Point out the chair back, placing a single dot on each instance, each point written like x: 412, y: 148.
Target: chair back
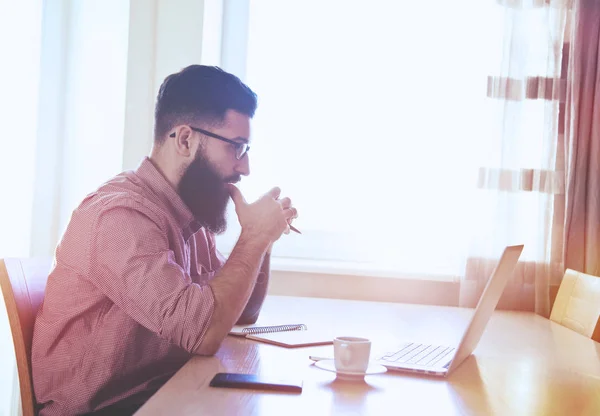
x: 577, y: 304
x: 23, y: 283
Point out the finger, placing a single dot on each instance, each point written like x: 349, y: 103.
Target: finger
x: 274, y: 193
x: 236, y: 195
x: 285, y: 202
x: 290, y: 213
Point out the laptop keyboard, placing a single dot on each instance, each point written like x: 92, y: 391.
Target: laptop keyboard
x: 418, y: 354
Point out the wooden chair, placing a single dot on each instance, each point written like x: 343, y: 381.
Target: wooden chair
x: 23, y: 283
x: 577, y: 304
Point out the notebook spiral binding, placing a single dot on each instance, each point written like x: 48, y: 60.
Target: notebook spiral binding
x: 278, y: 328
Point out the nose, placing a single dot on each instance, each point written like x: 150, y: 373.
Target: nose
x: 243, y: 166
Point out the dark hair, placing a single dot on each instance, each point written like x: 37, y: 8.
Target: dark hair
x: 200, y: 93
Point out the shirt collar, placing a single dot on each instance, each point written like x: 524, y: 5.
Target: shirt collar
x: 168, y: 196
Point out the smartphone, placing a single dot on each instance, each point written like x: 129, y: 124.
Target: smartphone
x: 253, y: 381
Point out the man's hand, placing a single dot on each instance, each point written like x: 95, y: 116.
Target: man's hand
x: 235, y: 287
x: 267, y: 218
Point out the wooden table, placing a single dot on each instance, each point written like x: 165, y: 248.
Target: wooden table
x: 523, y: 365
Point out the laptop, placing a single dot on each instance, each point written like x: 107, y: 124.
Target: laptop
x: 441, y: 360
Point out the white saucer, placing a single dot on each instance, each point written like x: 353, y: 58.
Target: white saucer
x: 329, y: 365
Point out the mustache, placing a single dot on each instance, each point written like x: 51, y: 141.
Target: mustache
x: 233, y: 179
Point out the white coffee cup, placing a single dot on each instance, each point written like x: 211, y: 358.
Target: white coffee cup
x: 351, y: 354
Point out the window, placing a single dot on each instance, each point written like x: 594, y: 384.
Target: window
x: 373, y: 117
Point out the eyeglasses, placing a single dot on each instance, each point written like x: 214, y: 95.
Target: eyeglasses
x: 241, y: 148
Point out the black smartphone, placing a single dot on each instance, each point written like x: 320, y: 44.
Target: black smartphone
x: 253, y: 381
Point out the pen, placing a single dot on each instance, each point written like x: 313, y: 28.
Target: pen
x: 294, y: 229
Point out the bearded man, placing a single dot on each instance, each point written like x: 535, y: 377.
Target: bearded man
x: 138, y: 286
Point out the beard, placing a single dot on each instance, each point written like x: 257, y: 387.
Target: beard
x: 205, y: 193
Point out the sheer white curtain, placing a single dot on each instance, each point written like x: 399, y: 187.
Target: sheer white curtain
x: 521, y: 180
x: 372, y: 116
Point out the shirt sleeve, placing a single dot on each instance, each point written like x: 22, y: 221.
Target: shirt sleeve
x: 131, y: 263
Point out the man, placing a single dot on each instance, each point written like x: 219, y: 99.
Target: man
x: 138, y: 286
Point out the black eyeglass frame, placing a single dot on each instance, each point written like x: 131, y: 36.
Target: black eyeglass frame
x: 240, y: 148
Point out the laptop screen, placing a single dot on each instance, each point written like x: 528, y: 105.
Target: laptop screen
x: 487, y: 303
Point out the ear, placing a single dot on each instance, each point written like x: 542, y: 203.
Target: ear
x: 182, y: 141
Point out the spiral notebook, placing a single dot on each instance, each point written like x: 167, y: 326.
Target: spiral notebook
x: 289, y: 336
x: 243, y: 330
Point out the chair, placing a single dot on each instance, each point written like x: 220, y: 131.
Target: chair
x: 23, y: 283
x: 577, y: 304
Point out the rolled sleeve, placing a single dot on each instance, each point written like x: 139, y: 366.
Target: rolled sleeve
x: 131, y: 263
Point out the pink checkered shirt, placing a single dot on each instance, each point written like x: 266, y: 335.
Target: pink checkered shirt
x: 127, y: 303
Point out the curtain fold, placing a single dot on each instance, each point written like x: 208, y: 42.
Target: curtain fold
x: 582, y: 143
